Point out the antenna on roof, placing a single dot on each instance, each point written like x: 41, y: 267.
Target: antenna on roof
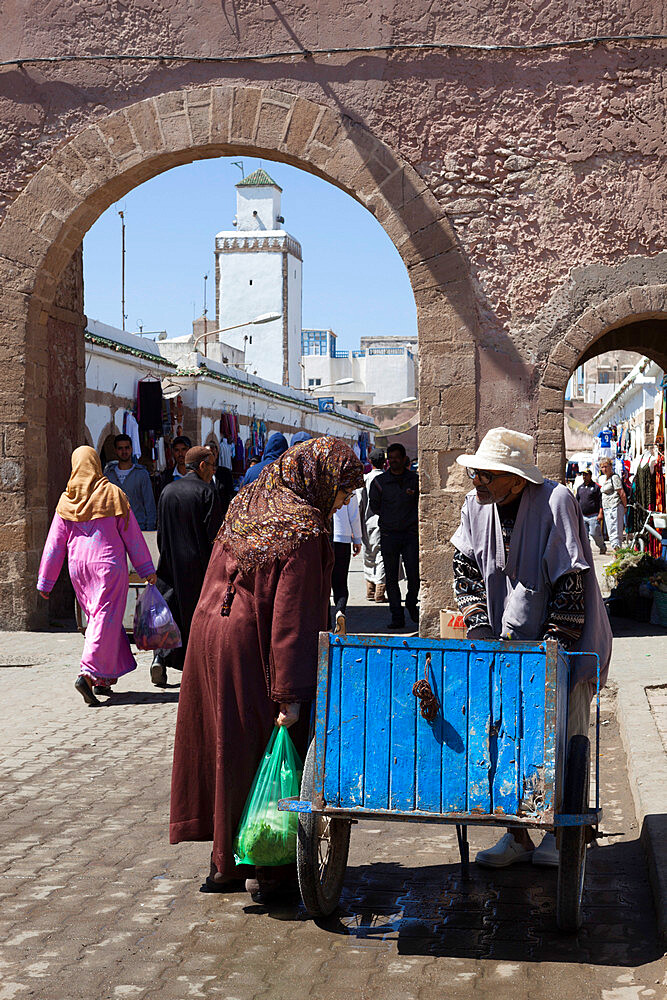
x: 239, y: 164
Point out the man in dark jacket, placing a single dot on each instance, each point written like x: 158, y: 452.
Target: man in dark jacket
x: 589, y: 496
x: 223, y: 481
x: 394, y: 497
x: 188, y: 518
x: 179, y: 448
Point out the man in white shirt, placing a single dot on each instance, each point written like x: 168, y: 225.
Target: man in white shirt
x: 370, y: 533
x: 346, y: 539
x: 614, y: 503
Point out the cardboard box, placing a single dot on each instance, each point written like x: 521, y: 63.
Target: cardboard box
x: 451, y: 625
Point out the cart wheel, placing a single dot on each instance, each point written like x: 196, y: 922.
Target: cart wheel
x: 321, y: 851
x: 572, y: 866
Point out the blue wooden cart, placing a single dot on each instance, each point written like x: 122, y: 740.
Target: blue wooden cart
x: 495, y: 753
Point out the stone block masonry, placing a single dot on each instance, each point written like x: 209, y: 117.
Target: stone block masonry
x: 524, y: 189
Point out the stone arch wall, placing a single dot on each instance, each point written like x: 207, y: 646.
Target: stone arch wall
x: 111, y: 428
x: 635, y: 306
x: 46, y: 223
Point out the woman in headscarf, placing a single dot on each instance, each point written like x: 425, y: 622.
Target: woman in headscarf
x: 252, y: 657
x: 94, y: 525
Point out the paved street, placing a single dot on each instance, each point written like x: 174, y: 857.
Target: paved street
x: 96, y: 904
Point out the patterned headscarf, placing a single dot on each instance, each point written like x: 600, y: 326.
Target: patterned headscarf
x: 89, y: 494
x: 290, y: 501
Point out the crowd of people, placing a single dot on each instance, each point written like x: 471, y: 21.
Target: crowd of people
x: 248, y: 581
x: 603, y: 504
x: 193, y: 499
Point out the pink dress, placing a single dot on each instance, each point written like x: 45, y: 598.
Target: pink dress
x: 97, y: 557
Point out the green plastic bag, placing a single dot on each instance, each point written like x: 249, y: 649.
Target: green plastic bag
x: 265, y: 836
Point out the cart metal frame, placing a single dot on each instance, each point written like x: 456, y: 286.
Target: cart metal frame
x: 351, y: 709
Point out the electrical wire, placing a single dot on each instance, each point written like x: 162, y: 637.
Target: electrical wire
x: 346, y: 50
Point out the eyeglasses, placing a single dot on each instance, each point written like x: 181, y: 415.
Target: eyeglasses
x: 484, y: 477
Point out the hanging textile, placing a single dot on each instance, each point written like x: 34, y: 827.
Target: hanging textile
x: 131, y: 428
x: 149, y: 405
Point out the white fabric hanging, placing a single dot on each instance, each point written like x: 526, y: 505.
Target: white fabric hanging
x: 161, y: 461
x: 132, y: 431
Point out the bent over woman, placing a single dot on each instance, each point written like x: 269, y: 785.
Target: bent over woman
x: 95, y: 526
x: 252, y: 656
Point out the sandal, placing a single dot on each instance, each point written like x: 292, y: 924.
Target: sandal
x: 232, y: 883
x: 280, y: 884
x: 81, y: 684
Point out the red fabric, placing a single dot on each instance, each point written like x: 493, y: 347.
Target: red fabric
x: 236, y: 670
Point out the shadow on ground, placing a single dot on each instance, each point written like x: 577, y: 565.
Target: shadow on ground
x: 631, y: 627
x: 161, y: 697
x: 373, y: 619
x: 505, y: 915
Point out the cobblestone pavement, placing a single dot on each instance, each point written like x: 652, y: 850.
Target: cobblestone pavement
x: 95, y: 904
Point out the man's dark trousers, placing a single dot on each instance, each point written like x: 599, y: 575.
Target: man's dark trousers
x: 394, y: 545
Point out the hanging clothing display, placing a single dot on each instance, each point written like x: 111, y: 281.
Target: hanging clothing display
x: 161, y: 460
x: 131, y: 428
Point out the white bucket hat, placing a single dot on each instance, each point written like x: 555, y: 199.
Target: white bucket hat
x: 503, y: 450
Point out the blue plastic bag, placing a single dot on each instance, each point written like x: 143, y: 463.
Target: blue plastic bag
x: 154, y: 626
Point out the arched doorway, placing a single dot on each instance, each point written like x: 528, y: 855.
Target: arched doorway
x: 635, y: 320
x: 44, y: 228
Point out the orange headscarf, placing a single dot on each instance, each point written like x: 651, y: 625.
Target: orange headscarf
x: 89, y: 493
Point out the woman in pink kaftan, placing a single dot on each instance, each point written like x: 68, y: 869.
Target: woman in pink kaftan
x: 96, y: 528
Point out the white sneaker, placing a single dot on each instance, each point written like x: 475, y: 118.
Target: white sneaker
x: 547, y: 852
x: 506, y: 852
x: 340, y: 624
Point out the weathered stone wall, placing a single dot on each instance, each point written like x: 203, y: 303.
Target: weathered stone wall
x: 65, y: 406
x: 523, y: 189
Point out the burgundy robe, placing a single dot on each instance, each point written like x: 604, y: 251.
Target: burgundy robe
x: 237, y: 670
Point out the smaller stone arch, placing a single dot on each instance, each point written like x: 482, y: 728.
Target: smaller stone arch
x: 633, y: 319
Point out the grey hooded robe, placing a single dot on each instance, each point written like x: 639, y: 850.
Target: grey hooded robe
x: 549, y: 539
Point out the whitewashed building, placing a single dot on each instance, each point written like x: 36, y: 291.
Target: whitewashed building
x: 636, y: 404
x: 597, y: 379
x: 258, y: 270
x: 381, y: 372
x: 116, y: 360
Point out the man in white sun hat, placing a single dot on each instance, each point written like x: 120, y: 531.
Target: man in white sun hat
x: 523, y: 570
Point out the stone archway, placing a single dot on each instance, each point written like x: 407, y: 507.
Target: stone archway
x: 105, y: 439
x: 633, y: 320
x: 45, y: 225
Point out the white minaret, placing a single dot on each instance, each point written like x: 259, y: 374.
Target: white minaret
x: 258, y: 271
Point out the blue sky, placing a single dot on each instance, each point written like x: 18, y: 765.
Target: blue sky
x: 353, y: 279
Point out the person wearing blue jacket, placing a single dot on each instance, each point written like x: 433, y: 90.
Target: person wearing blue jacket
x: 299, y: 437
x: 134, y: 481
x: 275, y: 447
